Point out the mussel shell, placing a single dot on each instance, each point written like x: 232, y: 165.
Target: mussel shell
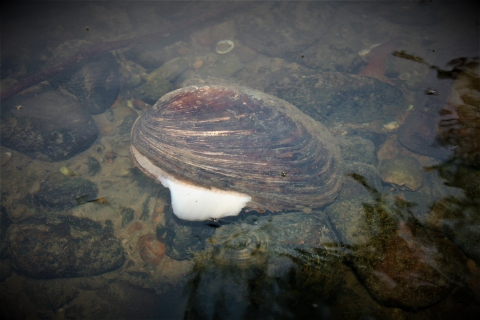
x: 240, y: 139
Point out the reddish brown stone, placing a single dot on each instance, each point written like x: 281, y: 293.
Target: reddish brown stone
x: 151, y: 250
x: 376, y: 61
x: 137, y: 225
x: 415, y: 270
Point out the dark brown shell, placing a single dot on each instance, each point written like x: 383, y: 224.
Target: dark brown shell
x: 236, y: 138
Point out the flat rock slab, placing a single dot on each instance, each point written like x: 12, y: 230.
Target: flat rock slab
x: 333, y: 96
x: 58, y: 192
x: 94, y: 82
x: 63, y: 247
x: 405, y: 173
x: 410, y: 273
x: 47, y: 126
x: 285, y: 29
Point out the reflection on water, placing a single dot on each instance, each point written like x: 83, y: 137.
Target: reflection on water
x: 253, y: 270
x: 85, y: 234
x: 403, y: 262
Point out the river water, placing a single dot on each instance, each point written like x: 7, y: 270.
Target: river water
x: 85, y: 234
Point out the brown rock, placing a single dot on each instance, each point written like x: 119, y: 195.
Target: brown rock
x: 404, y: 172
x: 137, y: 225
x: 389, y: 149
x: 402, y: 263
x: 62, y: 247
x: 197, y: 64
x: 151, y: 250
x: 47, y: 126
x: 414, y: 271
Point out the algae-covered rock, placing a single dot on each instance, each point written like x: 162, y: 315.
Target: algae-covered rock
x: 330, y: 96
x: 410, y: 269
x: 357, y: 149
x: 297, y: 27
x: 63, y: 247
x: 458, y: 216
x: 247, y: 260
x: 403, y: 264
x: 226, y: 66
x: 348, y: 216
x: 184, y: 237
x: 95, y: 82
x: 47, y: 126
x: 159, y: 82
x: 58, y: 192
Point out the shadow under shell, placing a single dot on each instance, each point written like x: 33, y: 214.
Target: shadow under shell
x: 241, y: 140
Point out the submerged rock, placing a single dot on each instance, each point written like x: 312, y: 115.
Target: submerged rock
x: 95, y: 83
x: 159, y: 82
x: 151, y: 249
x: 411, y: 14
x: 47, y: 126
x: 184, y: 237
x: 357, y: 149
x: 297, y: 27
x: 347, y: 216
x: 458, y: 216
x: 404, y: 172
x: 63, y: 247
x: 333, y: 96
x: 413, y: 271
x: 4, y: 225
x: 249, y: 260
x: 62, y: 193
x: 401, y: 262
x: 93, y: 166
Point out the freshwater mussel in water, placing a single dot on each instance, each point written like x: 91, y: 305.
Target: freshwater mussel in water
x: 222, y: 148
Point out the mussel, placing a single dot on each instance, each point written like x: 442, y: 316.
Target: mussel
x: 222, y: 148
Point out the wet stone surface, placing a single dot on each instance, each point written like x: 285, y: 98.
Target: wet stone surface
x: 62, y: 193
x: 93, y: 166
x: 184, y: 237
x: 127, y: 123
x: 459, y: 217
x: 47, y: 126
x: 5, y: 224
x: 311, y: 21
x: 404, y: 172
x: 328, y: 56
x: 151, y: 249
x: 423, y: 268
x: 351, y: 189
x: 331, y: 96
x: 347, y: 215
x: 96, y: 84
x: 357, y: 149
x: 401, y: 262
x: 267, y: 251
x: 63, y: 247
